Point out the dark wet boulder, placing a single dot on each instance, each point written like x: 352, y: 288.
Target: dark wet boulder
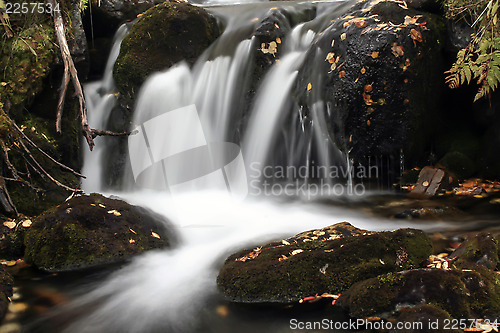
x: 481, y: 249
x: 93, y: 230
x: 6, y: 283
x: 163, y: 36
x: 462, y: 294
x: 429, y: 318
x: 320, y: 261
x: 376, y: 76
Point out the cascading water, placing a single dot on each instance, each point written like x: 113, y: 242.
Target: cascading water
x: 170, y: 290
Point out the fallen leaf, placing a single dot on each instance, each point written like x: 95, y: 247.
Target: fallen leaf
x: 341, y: 74
x: 11, y: 263
x: 26, y: 223
x: 284, y: 242
x: 361, y: 24
x: 309, y: 86
x: 343, y: 36
x: 416, y: 35
x: 114, y: 212
x: 368, y: 99
x: 132, y: 231
x: 368, y: 88
x: 363, y: 70
x: 155, y: 235
x: 131, y: 241
x: 397, y: 50
x: 3, y: 84
x: 333, y: 42
x: 330, y: 57
x: 295, y: 252
x: 426, y: 183
x: 370, y: 110
x: 374, y: 55
x: 278, y: 40
x: 10, y: 224
x: 368, y: 122
x: 276, y: 25
x: 102, y: 206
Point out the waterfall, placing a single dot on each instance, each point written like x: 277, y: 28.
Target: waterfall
x: 189, y: 123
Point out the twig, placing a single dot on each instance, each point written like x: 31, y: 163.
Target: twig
x: 97, y: 132
x: 55, y: 181
x: 20, y: 180
x: 42, y: 151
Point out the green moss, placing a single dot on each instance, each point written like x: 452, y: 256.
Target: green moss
x: 481, y: 248
x: 324, y: 266
x: 86, y: 232
x: 459, y: 164
x: 164, y: 35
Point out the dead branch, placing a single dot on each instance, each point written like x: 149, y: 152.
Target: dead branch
x: 70, y: 66
x: 42, y: 151
x: 96, y: 133
x: 55, y: 181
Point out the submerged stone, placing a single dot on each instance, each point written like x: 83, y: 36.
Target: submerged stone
x: 93, y: 230
x: 320, y: 261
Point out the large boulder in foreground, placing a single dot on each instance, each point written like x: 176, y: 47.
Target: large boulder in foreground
x: 163, y: 36
x: 327, y: 260
x: 93, y: 230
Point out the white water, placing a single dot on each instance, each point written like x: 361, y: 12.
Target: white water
x: 164, y: 291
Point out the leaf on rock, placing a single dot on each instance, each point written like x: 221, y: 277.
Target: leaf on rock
x: 330, y: 57
x: 131, y: 241
x: 363, y: 70
x: 416, y: 35
x: 114, y: 212
x: 27, y: 223
x: 374, y: 55
x: 341, y: 74
x: 132, y: 231
x: 278, y: 40
x: 309, y: 86
x: 155, y: 235
x: 368, y: 99
x: 368, y: 88
x: 295, y: 252
x: 10, y: 224
x: 397, y: 50
x: 343, y: 36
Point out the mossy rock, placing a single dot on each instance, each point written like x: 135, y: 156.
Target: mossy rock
x: 431, y: 318
x: 318, y: 262
x: 458, y: 163
x: 462, y: 294
x: 481, y: 249
x: 12, y: 239
x: 6, y: 283
x: 93, y: 230
x: 163, y: 36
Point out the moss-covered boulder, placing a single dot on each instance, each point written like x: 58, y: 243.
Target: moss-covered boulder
x: 327, y: 260
x: 6, y: 283
x: 431, y: 318
x: 163, y: 36
x: 93, y: 230
x: 462, y: 294
x: 481, y: 249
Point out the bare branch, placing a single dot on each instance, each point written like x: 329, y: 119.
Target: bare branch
x: 97, y: 132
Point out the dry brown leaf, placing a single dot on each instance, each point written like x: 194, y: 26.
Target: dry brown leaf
x: 374, y: 55
x: 368, y: 122
x: 363, y: 70
x: 361, y: 24
x: 368, y: 99
x: 341, y: 74
x: 416, y: 35
x: 330, y: 57
x: 368, y: 88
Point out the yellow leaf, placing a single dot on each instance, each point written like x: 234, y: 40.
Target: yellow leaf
x: 330, y: 57
x: 363, y: 70
x: 309, y: 86
x: 278, y: 40
x: 132, y: 231
x: 26, y: 223
x: 131, y: 241
x: 114, y: 212
x: 343, y: 36
x: 102, y: 206
x: 10, y: 224
x: 155, y: 235
x: 374, y: 55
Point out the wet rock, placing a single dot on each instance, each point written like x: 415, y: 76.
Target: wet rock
x: 114, y: 12
x: 93, y: 230
x: 458, y: 163
x: 456, y: 292
x: 430, y: 317
x: 327, y: 260
x: 431, y: 181
x: 12, y: 234
x: 481, y: 249
x: 6, y: 283
x: 163, y: 36
x: 429, y: 213
x: 376, y: 75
